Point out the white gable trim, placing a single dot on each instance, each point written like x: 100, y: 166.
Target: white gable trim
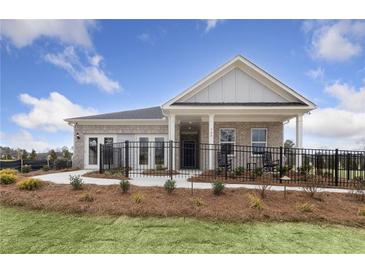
x: 245, y: 65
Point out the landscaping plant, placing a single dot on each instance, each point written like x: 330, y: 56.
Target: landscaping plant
x: 361, y: 211
x: 255, y: 201
x: 197, y: 202
x: 310, y: 188
x: 62, y: 163
x: 124, y: 185
x: 26, y: 168
x: 9, y: 171
x: 138, y: 198
x: 262, y: 190
x: 7, y: 179
x: 76, y: 182
x: 238, y: 171
x: 170, y: 186
x: 305, y: 207
x: 218, y: 187
x: 86, y: 197
x: 45, y: 168
x: 358, y: 188
x: 29, y: 184
x: 258, y: 172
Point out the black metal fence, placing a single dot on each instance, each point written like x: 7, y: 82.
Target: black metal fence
x: 234, y: 163
x: 35, y: 164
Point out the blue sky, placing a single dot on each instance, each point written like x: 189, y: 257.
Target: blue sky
x: 51, y: 70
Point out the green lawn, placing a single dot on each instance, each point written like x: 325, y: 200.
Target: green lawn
x: 24, y: 231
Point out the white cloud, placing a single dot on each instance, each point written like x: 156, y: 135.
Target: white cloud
x: 315, y: 74
x: 49, y: 113
x: 350, y: 98
x: 24, y: 32
x: 24, y: 140
x: 146, y: 38
x: 89, y: 73
x: 335, y: 40
x: 211, y: 24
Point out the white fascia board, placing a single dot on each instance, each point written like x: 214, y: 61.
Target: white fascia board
x: 117, y: 121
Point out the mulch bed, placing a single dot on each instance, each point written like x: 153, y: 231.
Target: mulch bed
x: 233, y: 205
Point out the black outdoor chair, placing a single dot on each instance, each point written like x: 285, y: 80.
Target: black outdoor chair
x: 269, y: 165
x: 222, y: 157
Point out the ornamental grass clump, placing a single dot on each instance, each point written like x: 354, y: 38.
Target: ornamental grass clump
x: 9, y: 171
x: 138, y: 198
x: 218, y: 188
x: 76, y: 182
x: 170, y: 186
x: 124, y: 185
x: 29, y: 184
x: 7, y: 179
x: 255, y: 202
x: 86, y: 197
x: 305, y: 207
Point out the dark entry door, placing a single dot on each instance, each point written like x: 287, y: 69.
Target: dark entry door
x: 189, y: 155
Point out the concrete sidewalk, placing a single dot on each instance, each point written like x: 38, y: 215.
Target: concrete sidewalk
x: 181, y: 182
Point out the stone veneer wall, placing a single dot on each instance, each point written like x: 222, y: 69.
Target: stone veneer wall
x: 78, y: 158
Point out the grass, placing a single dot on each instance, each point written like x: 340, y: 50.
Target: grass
x: 24, y: 231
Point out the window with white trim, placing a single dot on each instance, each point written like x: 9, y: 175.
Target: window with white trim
x: 227, y: 140
x: 258, y: 140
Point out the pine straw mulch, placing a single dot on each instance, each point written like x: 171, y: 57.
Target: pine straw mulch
x: 233, y: 205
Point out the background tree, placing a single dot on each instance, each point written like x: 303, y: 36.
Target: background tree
x: 33, y: 155
x: 66, y: 153
x: 24, y: 154
x: 53, y: 155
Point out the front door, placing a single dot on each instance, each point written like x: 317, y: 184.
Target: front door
x: 189, y: 155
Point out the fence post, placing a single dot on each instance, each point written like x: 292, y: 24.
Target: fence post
x: 225, y: 163
x: 101, y: 154
x: 170, y: 157
x: 348, y: 166
x: 126, y: 158
x: 281, y: 163
x: 336, y: 167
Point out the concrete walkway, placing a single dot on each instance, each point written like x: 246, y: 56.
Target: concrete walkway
x: 181, y: 182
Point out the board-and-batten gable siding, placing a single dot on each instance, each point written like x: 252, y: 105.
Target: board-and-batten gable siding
x: 238, y: 87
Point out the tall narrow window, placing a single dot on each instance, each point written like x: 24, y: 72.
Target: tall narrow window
x: 159, y: 151
x: 227, y: 139
x: 258, y: 140
x: 93, y: 151
x: 108, y: 150
x: 143, y: 151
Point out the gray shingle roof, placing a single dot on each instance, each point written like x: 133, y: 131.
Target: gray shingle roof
x: 143, y: 113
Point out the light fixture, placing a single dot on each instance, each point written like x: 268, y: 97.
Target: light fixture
x: 77, y: 135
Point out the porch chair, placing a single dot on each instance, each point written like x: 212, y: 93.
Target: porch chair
x: 269, y: 165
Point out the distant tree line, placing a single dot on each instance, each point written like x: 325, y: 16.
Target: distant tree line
x: 7, y: 153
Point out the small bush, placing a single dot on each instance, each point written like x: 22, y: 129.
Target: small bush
x: 7, y: 179
x: 218, y: 188
x: 26, y: 168
x: 160, y: 167
x: 258, y: 172
x: 138, y: 198
x: 361, y: 211
x: 61, y: 163
x: 86, y: 197
x: 45, y: 168
x: 255, y: 201
x: 170, y: 186
x: 238, y: 171
x: 305, y: 207
x: 76, y: 182
x: 124, y: 185
x: 262, y: 190
x: 29, y: 184
x: 9, y: 171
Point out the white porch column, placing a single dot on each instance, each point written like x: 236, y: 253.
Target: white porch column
x: 211, y: 141
x: 171, y: 130
x: 299, y: 137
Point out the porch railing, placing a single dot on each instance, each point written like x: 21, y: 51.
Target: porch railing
x: 234, y: 163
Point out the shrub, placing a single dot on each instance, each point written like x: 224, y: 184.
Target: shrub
x: 255, y: 201
x: 170, y: 186
x: 238, y: 171
x: 76, y: 182
x: 61, y: 163
x: 160, y: 167
x: 45, y: 168
x: 26, y: 168
x: 197, y: 202
x: 361, y: 211
x: 86, y: 197
x: 262, y: 190
x: 124, y: 185
x: 29, y: 184
x: 138, y: 198
x: 258, y: 172
x: 218, y: 187
x: 9, y: 171
x: 305, y: 207
x: 7, y: 179
x: 310, y: 188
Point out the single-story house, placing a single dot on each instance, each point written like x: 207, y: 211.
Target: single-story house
x: 238, y: 103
